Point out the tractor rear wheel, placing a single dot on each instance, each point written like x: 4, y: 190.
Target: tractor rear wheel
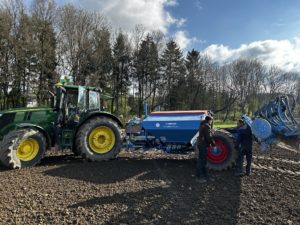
x: 22, y: 148
x: 98, y: 139
x: 224, y: 156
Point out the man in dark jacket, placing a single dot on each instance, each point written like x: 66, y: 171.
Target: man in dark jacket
x: 204, y: 141
x: 243, y: 147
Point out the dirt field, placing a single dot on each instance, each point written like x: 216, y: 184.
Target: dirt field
x: 151, y: 188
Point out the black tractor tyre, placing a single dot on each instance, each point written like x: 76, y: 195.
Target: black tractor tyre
x: 227, y: 140
x: 10, y: 143
x: 75, y: 149
x: 83, y: 147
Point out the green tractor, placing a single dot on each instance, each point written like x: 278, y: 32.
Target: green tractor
x: 73, y: 121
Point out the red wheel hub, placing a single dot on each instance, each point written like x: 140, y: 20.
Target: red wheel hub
x: 219, y: 154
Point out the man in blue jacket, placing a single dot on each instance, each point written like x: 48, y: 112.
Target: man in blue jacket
x: 244, y: 148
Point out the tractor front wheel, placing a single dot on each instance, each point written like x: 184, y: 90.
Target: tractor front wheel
x: 22, y: 148
x: 98, y: 139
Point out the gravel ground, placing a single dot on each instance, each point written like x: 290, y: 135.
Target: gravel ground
x: 151, y: 188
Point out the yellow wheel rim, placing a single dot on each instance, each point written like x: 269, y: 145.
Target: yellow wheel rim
x: 28, y: 149
x: 101, y: 140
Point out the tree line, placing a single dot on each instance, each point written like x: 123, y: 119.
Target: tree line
x: 43, y: 43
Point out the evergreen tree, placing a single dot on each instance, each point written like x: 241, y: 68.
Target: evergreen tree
x: 154, y: 72
x: 172, y: 70
x: 5, y: 49
x: 101, y: 59
x: 43, y: 13
x: 194, y: 79
x: 146, y: 74
x: 18, y: 42
x: 121, y: 69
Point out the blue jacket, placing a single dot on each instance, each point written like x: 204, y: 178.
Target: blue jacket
x: 244, y: 137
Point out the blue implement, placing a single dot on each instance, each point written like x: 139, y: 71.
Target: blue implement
x: 275, y: 122
x: 168, y: 130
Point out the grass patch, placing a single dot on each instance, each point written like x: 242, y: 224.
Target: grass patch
x: 227, y: 124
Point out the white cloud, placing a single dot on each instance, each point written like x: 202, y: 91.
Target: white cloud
x: 152, y: 14
x: 171, y: 2
x: 180, y: 22
x: 198, y: 5
x: 182, y: 39
x: 283, y: 53
x: 126, y: 14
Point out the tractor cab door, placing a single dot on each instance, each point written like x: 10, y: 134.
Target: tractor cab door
x: 71, y: 106
x: 59, y: 107
x: 66, y: 105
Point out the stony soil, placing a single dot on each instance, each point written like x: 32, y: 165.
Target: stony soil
x: 151, y: 188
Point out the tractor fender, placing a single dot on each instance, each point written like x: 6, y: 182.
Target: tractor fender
x: 95, y: 114
x: 39, y: 128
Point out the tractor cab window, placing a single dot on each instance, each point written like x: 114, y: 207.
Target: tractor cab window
x: 88, y: 100
x: 71, y: 101
x: 82, y: 99
x: 94, y: 100
x: 72, y: 96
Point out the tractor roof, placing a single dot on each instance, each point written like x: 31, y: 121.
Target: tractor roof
x: 103, y: 96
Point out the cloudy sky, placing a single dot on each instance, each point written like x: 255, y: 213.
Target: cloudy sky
x: 224, y: 29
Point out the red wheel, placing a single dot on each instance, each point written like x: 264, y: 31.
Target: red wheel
x: 224, y: 156
x: 218, y: 154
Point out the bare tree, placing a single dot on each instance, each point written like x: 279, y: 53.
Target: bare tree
x: 76, y: 32
x: 246, y: 78
x: 273, y: 80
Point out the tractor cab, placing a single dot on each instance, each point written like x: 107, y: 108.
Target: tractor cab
x: 75, y: 102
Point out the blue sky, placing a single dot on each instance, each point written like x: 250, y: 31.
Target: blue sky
x: 224, y: 30
x: 236, y: 22
x: 227, y: 22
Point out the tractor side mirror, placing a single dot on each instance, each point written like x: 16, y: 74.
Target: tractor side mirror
x: 52, y: 99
